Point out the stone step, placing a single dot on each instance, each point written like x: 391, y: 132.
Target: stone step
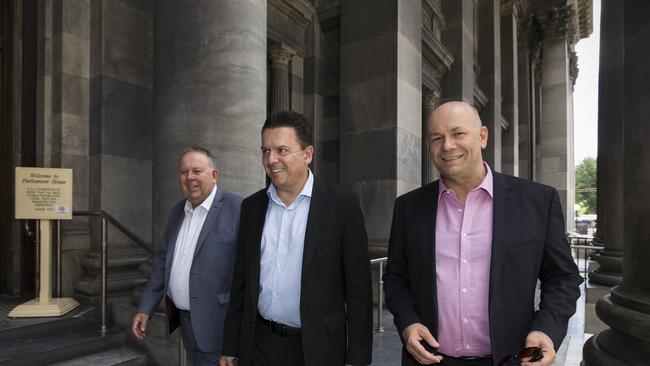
x: 123, y: 356
x: 74, y: 342
x: 116, y: 282
x: 118, y: 257
x: 19, y: 331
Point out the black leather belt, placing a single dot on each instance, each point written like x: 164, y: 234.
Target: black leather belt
x: 467, y: 358
x: 283, y: 329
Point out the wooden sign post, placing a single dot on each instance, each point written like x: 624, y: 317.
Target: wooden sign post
x: 44, y: 194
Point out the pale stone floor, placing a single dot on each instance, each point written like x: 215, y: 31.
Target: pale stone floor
x: 386, y: 348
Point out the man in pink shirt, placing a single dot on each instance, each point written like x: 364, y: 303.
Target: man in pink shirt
x: 465, y: 254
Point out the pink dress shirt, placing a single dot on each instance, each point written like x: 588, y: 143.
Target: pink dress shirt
x: 463, y: 249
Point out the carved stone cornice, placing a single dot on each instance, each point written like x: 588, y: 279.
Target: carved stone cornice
x: 299, y: 11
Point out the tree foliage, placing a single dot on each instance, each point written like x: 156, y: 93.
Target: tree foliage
x: 586, y: 178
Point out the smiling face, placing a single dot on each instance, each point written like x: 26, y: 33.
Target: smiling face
x: 284, y: 160
x: 196, y: 176
x: 455, y: 140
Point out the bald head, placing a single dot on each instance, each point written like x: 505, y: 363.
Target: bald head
x: 455, y: 110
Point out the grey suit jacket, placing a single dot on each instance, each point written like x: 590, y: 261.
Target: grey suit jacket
x: 211, y: 271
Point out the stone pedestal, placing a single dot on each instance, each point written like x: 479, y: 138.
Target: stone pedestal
x: 381, y: 78
x: 626, y: 310
x: 210, y: 87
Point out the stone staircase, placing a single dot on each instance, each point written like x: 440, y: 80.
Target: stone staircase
x: 74, y: 339
x: 123, y: 274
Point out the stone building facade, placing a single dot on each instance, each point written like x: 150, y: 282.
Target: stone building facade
x: 114, y: 89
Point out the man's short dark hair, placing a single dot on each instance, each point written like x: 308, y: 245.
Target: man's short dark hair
x: 293, y: 120
x: 202, y: 150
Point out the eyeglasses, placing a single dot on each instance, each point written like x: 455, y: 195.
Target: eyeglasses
x: 532, y: 353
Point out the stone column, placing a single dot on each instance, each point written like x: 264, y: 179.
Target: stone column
x: 381, y: 129
x: 489, y: 56
x: 556, y: 124
x: 610, y: 179
x: 525, y: 91
x: 210, y: 87
x: 280, y: 58
x: 430, y: 100
x: 626, y: 310
x: 509, y: 89
x: 458, y: 38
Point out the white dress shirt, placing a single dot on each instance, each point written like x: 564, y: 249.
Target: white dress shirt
x: 283, y: 240
x: 188, y: 236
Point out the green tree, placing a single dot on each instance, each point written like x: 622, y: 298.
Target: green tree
x: 586, y: 185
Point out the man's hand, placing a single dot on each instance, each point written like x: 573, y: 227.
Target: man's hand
x: 415, y: 333
x: 139, y: 325
x: 227, y: 361
x: 539, y: 339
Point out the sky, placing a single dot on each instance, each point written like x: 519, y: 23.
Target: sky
x: 585, y: 93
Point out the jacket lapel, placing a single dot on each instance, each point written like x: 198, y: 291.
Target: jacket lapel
x: 501, y: 208
x: 175, y: 222
x: 427, y: 224
x: 217, y: 203
x: 318, y: 210
x: 261, y: 205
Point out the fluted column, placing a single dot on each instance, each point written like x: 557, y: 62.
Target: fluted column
x: 509, y: 89
x: 610, y: 151
x: 489, y: 57
x: 626, y: 310
x: 280, y: 56
x: 430, y: 100
x: 458, y: 37
x: 209, y: 90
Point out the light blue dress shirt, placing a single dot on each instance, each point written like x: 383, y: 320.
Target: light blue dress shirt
x: 283, y: 240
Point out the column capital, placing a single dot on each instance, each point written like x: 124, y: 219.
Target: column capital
x: 280, y: 55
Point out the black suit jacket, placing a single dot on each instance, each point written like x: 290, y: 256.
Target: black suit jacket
x: 336, y: 293
x: 528, y: 243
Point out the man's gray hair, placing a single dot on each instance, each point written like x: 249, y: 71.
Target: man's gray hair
x: 201, y: 150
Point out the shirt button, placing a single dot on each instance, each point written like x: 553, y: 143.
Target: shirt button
x: 464, y: 234
x: 464, y: 320
x: 465, y: 261
x: 460, y: 210
x: 464, y: 290
x: 467, y: 346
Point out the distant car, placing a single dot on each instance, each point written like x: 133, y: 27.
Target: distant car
x: 586, y: 224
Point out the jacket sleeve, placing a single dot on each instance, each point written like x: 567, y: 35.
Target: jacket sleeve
x: 559, y: 277
x: 397, y: 285
x: 358, y: 286
x: 154, y: 291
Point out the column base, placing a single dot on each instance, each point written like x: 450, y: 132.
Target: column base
x: 627, y: 312
x: 35, y: 308
x: 604, y: 278
x: 610, y: 268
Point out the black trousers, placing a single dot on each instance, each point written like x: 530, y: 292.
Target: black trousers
x: 272, y: 348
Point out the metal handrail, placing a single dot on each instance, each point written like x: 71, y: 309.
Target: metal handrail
x: 106, y: 218
x: 141, y: 243
x: 380, y: 291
